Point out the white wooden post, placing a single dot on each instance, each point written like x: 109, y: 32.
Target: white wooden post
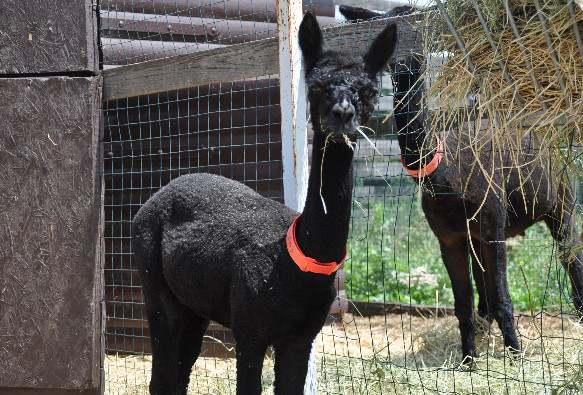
x: 293, y: 105
x: 294, y: 126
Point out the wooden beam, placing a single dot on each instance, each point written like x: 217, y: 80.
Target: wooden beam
x: 368, y: 309
x: 122, y: 52
x: 236, y: 62
x: 225, y: 64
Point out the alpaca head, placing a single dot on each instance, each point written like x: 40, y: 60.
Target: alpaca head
x: 342, y: 87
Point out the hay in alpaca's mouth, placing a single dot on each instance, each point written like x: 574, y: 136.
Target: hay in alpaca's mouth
x: 351, y: 144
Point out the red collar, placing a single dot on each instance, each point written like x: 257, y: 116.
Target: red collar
x: 431, y: 166
x: 305, y: 263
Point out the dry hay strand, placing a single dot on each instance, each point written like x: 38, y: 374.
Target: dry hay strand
x: 419, y: 355
x: 548, y: 80
x: 396, y: 354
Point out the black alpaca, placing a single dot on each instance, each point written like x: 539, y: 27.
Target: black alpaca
x: 210, y: 248
x: 507, y: 204
x: 357, y: 13
x: 458, y: 189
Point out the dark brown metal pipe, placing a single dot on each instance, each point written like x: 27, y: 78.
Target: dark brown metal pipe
x: 249, y: 10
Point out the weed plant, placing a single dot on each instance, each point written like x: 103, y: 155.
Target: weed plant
x: 392, y: 240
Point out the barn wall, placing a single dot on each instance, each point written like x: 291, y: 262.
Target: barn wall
x: 51, y: 198
x: 42, y: 36
x: 51, y: 203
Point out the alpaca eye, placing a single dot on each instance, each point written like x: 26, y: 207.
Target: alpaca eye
x: 315, y: 88
x: 369, y: 93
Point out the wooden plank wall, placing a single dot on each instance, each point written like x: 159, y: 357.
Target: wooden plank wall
x: 50, y: 172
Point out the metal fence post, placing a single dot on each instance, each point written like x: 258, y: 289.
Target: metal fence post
x: 294, y: 125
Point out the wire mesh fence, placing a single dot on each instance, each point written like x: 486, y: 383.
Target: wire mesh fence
x: 395, y: 331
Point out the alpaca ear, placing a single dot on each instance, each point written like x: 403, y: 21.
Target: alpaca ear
x: 381, y: 50
x: 310, y: 41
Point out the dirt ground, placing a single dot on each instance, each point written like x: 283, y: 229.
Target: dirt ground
x: 396, y: 353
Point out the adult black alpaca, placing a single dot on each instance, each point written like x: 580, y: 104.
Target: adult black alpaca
x: 507, y: 202
x: 210, y: 248
x: 357, y: 13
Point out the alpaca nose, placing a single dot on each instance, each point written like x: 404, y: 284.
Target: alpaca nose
x: 344, y: 110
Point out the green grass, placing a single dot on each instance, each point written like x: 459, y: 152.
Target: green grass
x: 392, y: 239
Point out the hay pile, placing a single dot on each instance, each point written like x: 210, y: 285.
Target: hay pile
x: 544, y: 72
x: 397, y: 354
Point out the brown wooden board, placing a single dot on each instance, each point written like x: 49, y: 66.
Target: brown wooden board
x: 48, y: 391
x: 121, y: 51
x: 47, y: 36
x: 219, y: 341
x: 50, y: 238
x: 369, y: 309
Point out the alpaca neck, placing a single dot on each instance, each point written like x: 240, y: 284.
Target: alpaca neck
x: 322, y: 233
x: 415, y: 145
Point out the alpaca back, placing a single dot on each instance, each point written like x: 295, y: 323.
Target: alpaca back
x: 484, y: 173
x: 226, y: 221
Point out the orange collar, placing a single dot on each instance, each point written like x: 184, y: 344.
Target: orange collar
x: 304, y: 263
x: 431, y: 166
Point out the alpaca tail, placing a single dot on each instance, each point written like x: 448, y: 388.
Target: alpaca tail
x: 147, y: 239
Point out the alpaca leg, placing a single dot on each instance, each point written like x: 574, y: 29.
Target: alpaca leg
x: 190, y: 346
x: 165, y: 319
x: 455, y: 258
x: 480, y: 281
x: 249, y: 365
x: 564, y: 231
x: 494, y: 252
x: 291, y: 367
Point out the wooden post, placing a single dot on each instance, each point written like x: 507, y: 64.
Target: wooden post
x: 294, y: 126
x: 293, y: 105
x: 51, y: 194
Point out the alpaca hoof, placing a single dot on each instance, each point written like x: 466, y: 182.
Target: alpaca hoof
x: 469, y: 362
x: 514, y: 354
x: 485, y: 315
x: 578, y: 303
x: 483, y: 324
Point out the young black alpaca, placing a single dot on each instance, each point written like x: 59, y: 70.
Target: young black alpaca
x: 210, y: 248
x: 507, y: 202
